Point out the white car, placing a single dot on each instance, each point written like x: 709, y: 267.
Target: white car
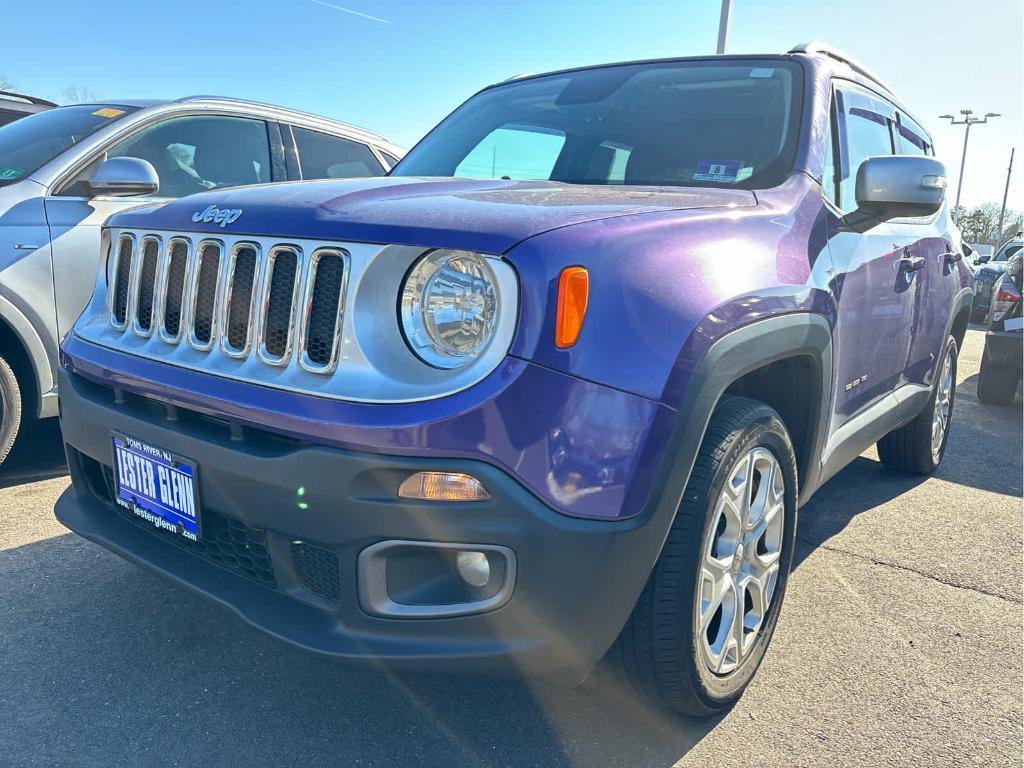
x: 63, y: 171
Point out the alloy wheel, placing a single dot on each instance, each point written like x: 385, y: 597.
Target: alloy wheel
x: 943, y: 403
x: 740, y: 565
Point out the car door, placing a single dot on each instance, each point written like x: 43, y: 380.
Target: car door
x: 326, y: 156
x: 191, y: 153
x: 937, y: 281
x: 874, y: 270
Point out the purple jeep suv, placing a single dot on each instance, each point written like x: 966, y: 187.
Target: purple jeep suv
x: 558, y: 384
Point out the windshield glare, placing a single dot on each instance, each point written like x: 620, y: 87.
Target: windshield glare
x: 31, y: 142
x: 691, y: 123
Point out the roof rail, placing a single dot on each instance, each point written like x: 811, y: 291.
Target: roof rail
x: 236, y: 100
x: 824, y: 49
x: 30, y: 99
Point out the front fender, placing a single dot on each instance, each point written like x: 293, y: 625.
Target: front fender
x: 35, y: 350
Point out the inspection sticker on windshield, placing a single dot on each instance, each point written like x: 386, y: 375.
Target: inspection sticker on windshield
x: 108, y: 112
x: 717, y: 170
x: 6, y: 174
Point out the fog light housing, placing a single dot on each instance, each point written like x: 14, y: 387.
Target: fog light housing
x: 442, y: 486
x: 474, y: 568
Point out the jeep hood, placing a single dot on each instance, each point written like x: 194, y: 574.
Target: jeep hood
x: 488, y: 216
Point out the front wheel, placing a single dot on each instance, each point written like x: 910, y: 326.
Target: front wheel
x: 707, y: 613
x: 10, y: 409
x: 919, y: 445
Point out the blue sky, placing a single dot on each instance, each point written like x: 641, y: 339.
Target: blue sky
x: 397, y: 66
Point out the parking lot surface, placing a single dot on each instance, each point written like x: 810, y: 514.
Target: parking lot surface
x: 899, y: 644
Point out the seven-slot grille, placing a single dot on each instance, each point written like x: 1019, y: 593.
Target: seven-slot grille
x: 206, y: 294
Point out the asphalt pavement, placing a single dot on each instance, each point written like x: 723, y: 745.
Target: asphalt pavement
x: 899, y: 644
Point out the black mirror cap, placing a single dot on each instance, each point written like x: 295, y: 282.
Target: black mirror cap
x: 900, y: 186
x: 124, y: 177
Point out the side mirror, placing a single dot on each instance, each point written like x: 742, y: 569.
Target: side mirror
x: 895, y: 187
x: 124, y: 176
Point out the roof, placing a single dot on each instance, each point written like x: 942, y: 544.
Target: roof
x: 144, y: 103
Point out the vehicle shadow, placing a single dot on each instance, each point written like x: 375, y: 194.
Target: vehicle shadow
x: 984, y: 451
x: 38, y: 454
x: 105, y: 664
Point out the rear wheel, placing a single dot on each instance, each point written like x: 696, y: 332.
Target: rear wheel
x: 10, y: 409
x: 707, y: 613
x: 919, y: 445
x: 997, y: 384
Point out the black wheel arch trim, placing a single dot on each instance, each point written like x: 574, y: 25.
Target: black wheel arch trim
x: 746, y: 349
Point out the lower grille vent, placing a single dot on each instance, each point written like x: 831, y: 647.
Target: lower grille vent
x: 317, y: 569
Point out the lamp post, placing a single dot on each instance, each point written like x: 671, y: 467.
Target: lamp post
x: 967, y: 120
x: 723, y: 25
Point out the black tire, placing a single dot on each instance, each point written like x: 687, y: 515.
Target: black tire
x: 10, y: 409
x: 997, y: 384
x: 660, y: 647
x: 909, y: 448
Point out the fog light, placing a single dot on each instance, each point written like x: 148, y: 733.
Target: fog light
x: 474, y: 568
x: 442, y: 486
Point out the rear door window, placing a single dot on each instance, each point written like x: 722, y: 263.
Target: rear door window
x: 201, y: 152
x: 323, y: 156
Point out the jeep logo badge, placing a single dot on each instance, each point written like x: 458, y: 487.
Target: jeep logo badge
x: 222, y: 216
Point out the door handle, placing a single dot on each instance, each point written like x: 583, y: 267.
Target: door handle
x: 952, y: 257
x: 911, y: 263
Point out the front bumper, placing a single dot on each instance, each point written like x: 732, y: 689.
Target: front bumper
x: 288, y: 563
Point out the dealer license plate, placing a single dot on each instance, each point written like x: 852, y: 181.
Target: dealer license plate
x: 157, y: 486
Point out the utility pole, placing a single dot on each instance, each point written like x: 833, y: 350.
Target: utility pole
x: 968, y: 120
x: 723, y: 25
x: 1006, y: 191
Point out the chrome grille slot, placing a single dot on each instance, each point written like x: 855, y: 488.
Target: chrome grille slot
x: 174, y: 281
x: 122, y: 281
x: 146, y: 290
x: 239, y: 299
x: 280, y: 292
x: 325, y: 292
x: 204, y: 301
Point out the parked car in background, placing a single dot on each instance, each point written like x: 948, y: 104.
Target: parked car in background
x: 563, y: 377
x: 986, y: 274
x: 16, y: 105
x: 982, y: 252
x: 65, y: 170
x: 1002, y: 360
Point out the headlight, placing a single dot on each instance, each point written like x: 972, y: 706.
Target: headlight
x: 449, y: 307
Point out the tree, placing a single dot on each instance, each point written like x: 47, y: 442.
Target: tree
x: 980, y: 225
x: 5, y: 83
x: 76, y: 94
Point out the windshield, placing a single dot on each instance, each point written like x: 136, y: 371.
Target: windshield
x: 33, y: 141
x: 690, y: 123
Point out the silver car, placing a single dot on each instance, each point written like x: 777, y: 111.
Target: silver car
x: 65, y: 170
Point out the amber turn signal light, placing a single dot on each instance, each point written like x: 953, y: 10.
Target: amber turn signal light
x: 443, y: 486
x: 573, y: 290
